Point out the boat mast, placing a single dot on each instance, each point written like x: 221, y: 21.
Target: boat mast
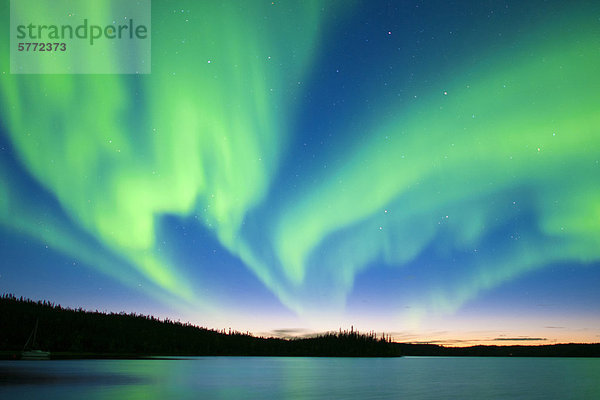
x: 34, y: 333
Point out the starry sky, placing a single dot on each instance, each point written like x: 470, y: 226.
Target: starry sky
x: 429, y: 169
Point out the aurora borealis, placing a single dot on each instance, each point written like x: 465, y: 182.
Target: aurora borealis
x: 428, y: 169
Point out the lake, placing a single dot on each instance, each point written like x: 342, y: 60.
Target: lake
x: 303, y: 378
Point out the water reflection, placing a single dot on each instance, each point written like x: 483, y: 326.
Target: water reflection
x: 302, y: 378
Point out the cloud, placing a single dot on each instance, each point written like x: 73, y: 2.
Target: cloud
x: 453, y: 342
x: 288, y: 333
x: 444, y: 342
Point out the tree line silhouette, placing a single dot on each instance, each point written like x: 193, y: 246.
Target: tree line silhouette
x: 553, y: 350
x: 73, y: 333
x: 65, y: 330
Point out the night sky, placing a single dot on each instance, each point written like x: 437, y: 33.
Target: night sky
x: 430, y: 169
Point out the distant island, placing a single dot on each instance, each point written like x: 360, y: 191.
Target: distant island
x: 69, y: 333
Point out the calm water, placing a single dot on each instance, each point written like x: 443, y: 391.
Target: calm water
x: 303, y: 378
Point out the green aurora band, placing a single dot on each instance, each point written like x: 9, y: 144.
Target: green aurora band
x: 205, y: 133
x: 115, y: 167
x: 451, y: 163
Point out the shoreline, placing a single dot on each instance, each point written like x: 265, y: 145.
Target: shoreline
x: 542, y: 351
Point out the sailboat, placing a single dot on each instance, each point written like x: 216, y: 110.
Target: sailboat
x: 31, y: 354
